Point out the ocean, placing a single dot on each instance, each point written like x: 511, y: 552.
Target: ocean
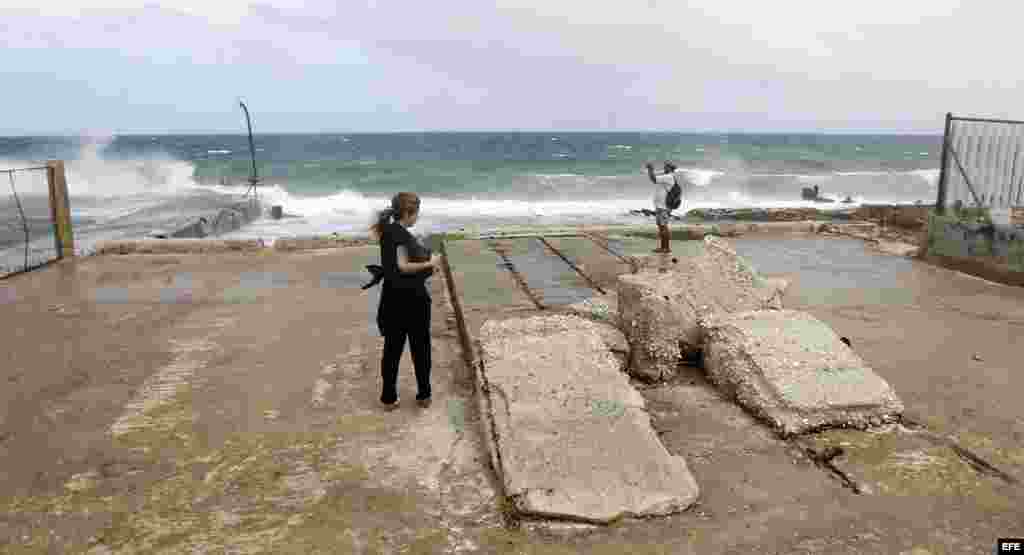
x: 130, y: 185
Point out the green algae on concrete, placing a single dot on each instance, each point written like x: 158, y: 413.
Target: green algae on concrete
x: 1003, y: 455
x: 1016, y: 255
x: 902, y: 463
x: 481, y: 280
x: 237, y: 495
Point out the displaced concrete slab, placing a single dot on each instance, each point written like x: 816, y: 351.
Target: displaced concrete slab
x: 603, y: 311
x: 860, y: 230
x: 570, y: 437
x: 599, y: 308
x: 898, y: 248
x: 660, y: 309
x: 791, y: 369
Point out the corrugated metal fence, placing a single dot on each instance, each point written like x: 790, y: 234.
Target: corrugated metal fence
x: 982, y: 163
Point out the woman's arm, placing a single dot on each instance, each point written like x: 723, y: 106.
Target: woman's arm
x: 407, y: 267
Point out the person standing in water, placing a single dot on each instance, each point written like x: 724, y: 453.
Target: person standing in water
x: 404, y: 309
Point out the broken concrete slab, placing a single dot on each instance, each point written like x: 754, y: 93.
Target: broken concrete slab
x: 660, y: 309
x: 897, y: 248
x: 599, y: 308
x: 571, y: 439
x: 867, y: 231
x: 792, y: 370
x: 602, y: 310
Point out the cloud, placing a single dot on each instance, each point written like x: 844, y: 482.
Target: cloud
x: 683, y: 64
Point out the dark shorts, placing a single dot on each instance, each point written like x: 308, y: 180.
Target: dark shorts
x: 661, y: 216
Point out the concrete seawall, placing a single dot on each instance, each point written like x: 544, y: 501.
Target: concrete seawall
x: 223, y: 221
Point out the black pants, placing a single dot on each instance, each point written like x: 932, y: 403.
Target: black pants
x: 405, y: 317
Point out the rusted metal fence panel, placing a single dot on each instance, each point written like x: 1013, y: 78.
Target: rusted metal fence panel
x: 26, y: 220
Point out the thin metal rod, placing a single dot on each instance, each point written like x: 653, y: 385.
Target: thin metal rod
x: 32, y: 169
x: 254, y: 178
x: 963, y: 173
x: 590, y: 282
x: 604, y: 245
x: 988, y: 120
x: 1013, y: 173
x: 940, y: 202
x: 1020, y: 188
x: 520, y: 280
x: 24, y: 222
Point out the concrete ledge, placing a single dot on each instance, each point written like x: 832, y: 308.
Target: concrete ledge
x: 289, y: 244
x: 986, y: 269
x: 696, y: 230
x: 223, y: 221
x: 571, y: 438
x: 897, y: 248
x: 179, y: 246
x: 862, y: 230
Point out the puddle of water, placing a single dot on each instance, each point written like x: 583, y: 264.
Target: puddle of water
x: 480, y: 277
x: 7, y: 295
x: 345, y: 280
x: 833, y: 271
x: 547, y: 274
x: 268, y: 280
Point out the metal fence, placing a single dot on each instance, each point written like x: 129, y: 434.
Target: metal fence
x: 982, y: 164
x: 26, y: 220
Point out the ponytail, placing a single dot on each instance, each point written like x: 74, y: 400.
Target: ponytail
x: 401, y: 205
x: 383, y: 218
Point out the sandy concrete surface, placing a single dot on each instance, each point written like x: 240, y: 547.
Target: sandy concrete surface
x: 167, y: 403
x: 237, y: 413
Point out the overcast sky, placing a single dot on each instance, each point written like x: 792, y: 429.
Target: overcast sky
x: 362, y: 65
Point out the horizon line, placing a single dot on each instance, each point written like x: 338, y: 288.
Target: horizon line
x: 478, y: 131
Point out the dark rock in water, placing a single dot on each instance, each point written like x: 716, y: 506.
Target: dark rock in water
x: 848, y: 200
x: 276, y: 212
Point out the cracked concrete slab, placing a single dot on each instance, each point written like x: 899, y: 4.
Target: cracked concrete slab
x: 660, y: 308
x: 791, y: 369
x: 571, y: 438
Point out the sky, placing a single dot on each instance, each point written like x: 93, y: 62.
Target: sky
x: 166, y: 66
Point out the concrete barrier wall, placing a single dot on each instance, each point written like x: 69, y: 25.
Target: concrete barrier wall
x: 909, y: 217
x: 991, y: 251
x: 178, y: 246
x: 223, y: 221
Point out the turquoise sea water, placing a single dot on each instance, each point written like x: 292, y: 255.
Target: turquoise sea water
x: 127, y: 185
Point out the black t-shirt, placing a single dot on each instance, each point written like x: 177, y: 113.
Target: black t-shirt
x: 393, y: 236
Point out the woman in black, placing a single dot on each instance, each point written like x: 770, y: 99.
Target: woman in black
x: 404, y: 309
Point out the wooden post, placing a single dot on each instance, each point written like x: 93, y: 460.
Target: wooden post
x: 60, y: 209
x: 940, y: 202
